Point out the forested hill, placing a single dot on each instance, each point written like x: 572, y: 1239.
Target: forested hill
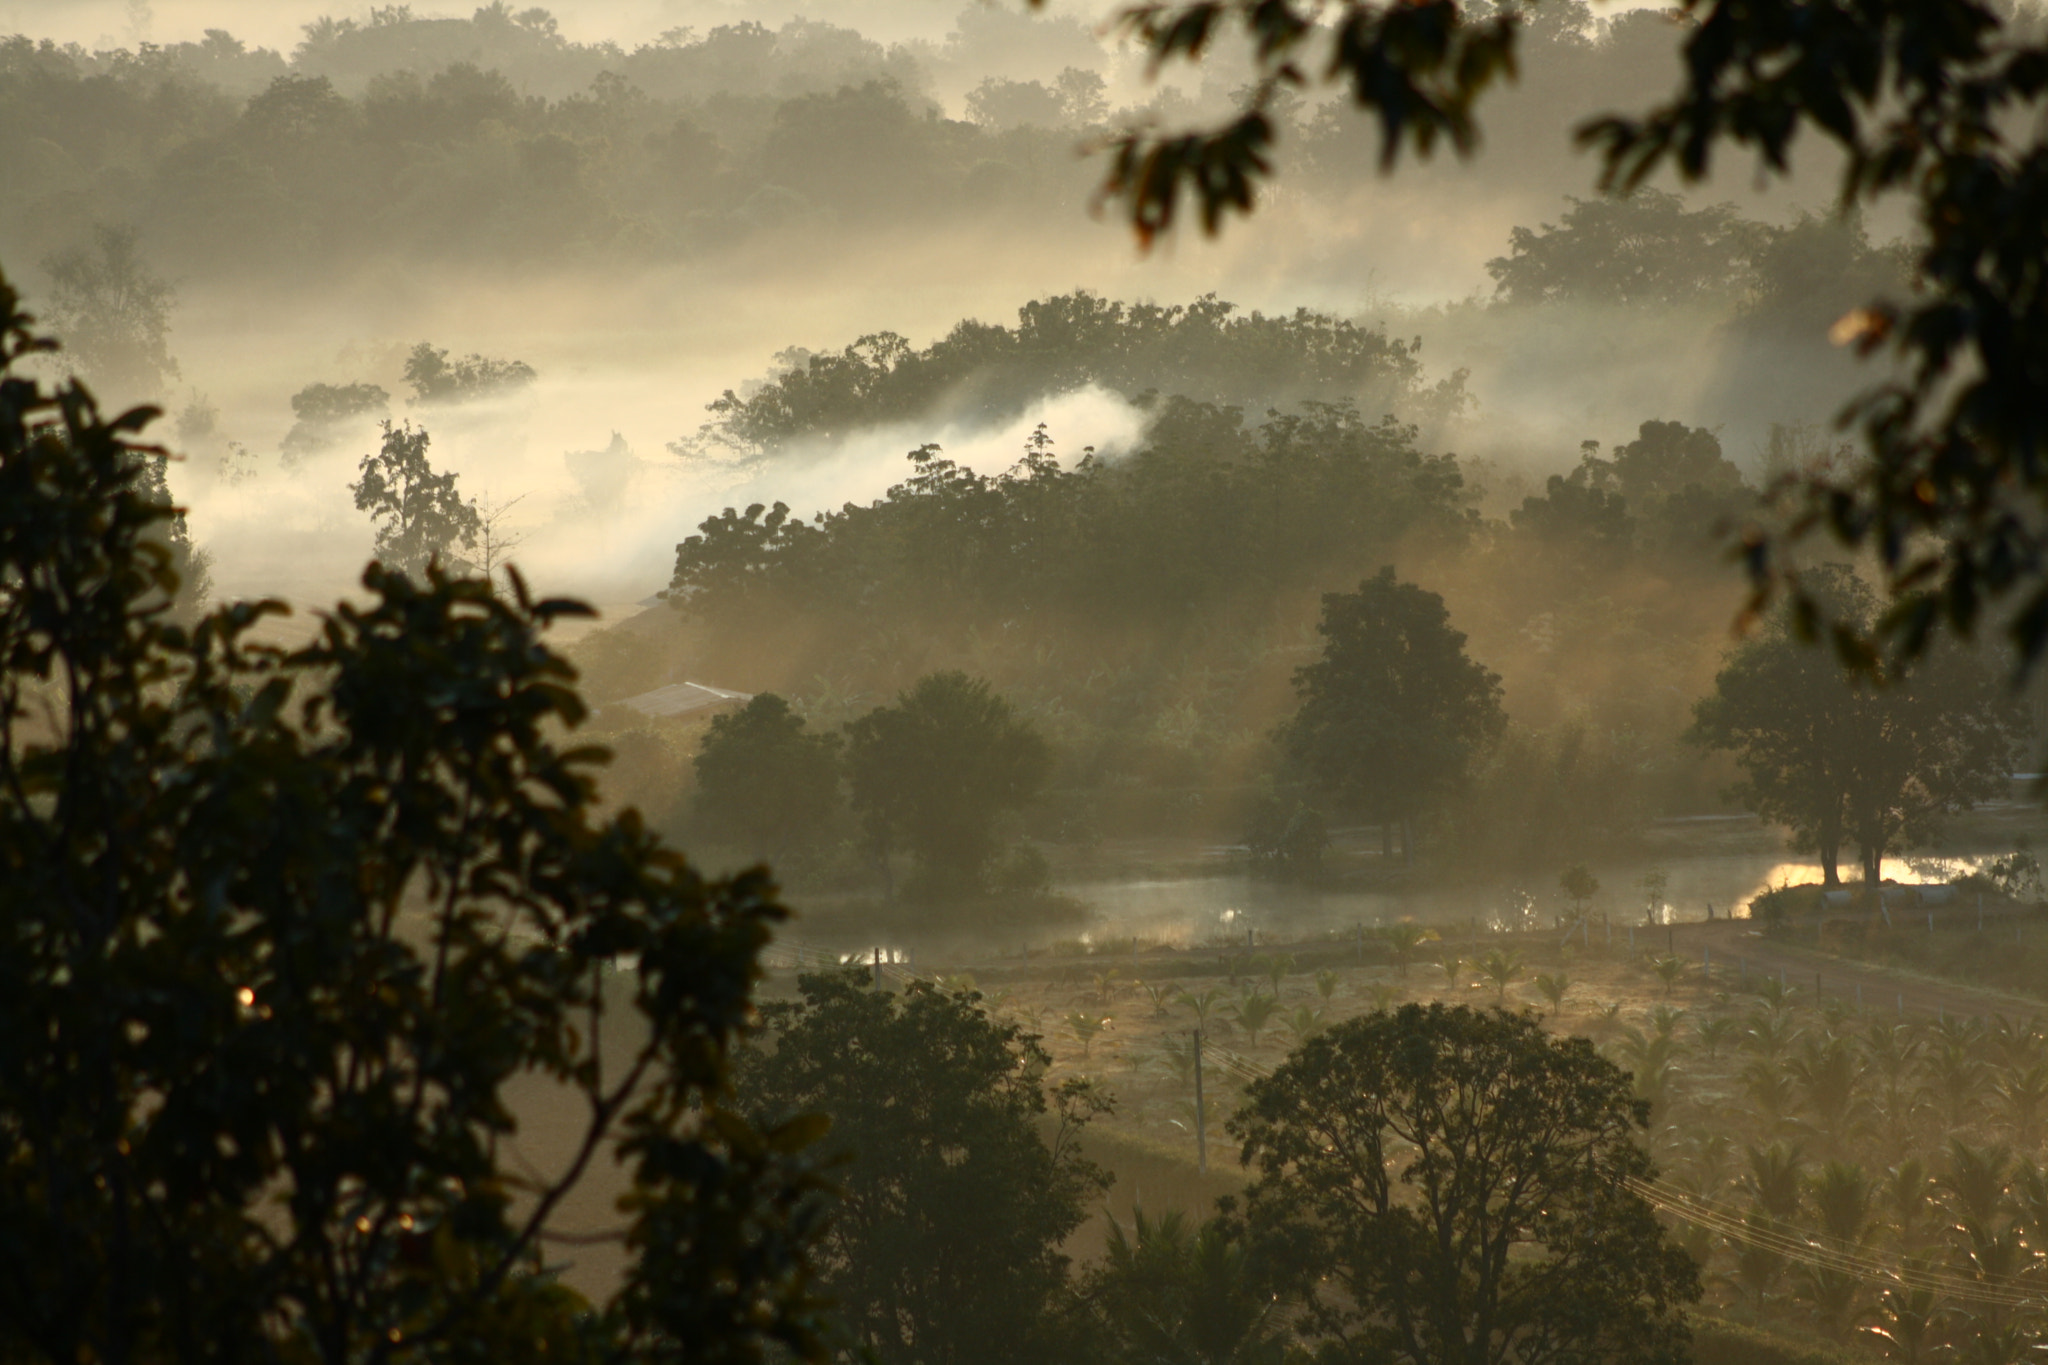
x: 495, y: 138
x: 1206, y: 351
x: 1147, y: 612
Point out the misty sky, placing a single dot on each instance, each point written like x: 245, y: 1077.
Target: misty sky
x: 276, y: 23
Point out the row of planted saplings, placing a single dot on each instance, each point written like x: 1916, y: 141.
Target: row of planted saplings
x: 1880, y: 1180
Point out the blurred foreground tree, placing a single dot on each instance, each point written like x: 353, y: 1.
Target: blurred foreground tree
x: 1442, y: 1184
x: 277, y: 932
x: 420, y: 517
x: 1394, y: 712
x: 764, y: 785
x: 944, y: 1242
x: 1833, y: 759
x: 932, y: 774
x: 1940, y: 102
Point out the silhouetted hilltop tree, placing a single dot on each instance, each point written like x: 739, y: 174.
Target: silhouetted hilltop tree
x: 324, y: 410
x: 435, y: 379
x: 420, y: 518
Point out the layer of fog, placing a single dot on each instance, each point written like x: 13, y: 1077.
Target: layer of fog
x: 637, y: 353
x: 641, y: 356
x: 600, y: 523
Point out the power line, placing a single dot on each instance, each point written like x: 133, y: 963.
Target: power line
x: 1828, y: 1254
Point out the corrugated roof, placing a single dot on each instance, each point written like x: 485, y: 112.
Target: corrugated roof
x: 681, y: 698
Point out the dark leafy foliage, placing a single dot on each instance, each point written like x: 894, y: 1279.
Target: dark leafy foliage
x: 1837, y: 762
x: 435, y: 379
x: 1646, y: 249
x: 764, y: 784
x: 931, y: 775
x: 1206, y: 512
x: 1170, y: 1291
x: 1394, y: 714
x: 1207, y: 352
x: 324, y: 412
x: 420, y: 518
x: 945, y: 1236
x: 1445, y: 1184
x: 280, y: 928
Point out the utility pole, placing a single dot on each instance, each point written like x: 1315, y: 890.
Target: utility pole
x: 1201, y: 1112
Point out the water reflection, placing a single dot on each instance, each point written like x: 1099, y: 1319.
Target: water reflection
x: 1224, y: 910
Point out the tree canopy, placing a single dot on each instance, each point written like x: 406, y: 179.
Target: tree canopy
x: 1205, y: 513
x: 1445, y: 1184
x: 1646, y: 249
x: 1837, y: 760
x: 1205, y: 352
x: 419, y: 516
x: 116, y: 311
x: 1394, y: 713
x: 764, y: 784
x: 931, y: 774
x: 944, y: 1241
x: 1171, y: 1289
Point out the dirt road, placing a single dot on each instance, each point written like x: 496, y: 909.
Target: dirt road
x: 1735, y: 950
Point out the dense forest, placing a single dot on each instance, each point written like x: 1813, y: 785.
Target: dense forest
x: 1147, y: 608
x: 496, y: 139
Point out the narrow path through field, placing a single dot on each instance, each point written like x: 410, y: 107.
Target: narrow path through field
x: 1735, y: 949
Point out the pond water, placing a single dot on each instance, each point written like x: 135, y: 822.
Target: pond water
x: 1195, y: 910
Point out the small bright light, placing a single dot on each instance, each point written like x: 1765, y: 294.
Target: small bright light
x: 246, y: 996
x: 362, y: 1225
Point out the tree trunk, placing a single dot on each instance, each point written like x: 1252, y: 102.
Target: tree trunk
x: 1873, y: 864
x: 1830, y: 865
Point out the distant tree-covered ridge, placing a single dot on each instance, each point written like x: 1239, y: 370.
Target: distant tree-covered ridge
x: 498, y: 137
x: 1208, y: 351
x: 410, y: 139
x: 1209, y: 511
